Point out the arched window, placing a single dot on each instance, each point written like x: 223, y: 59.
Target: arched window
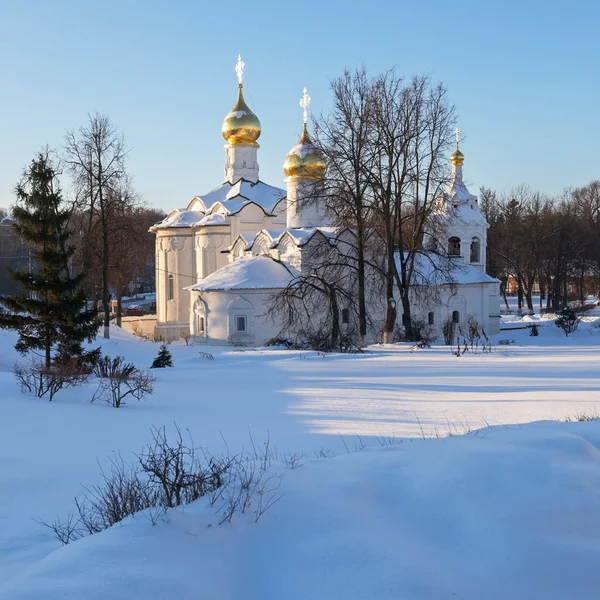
x: 454, y: 246
x: 475, y: 250
x: 171, y: 288
x: 431, y: 318
x: 455, y: 316
x: 201, y: 325
x: 345, y: 316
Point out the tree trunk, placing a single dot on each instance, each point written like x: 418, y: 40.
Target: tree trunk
x: 48, y: 347
x: 362, y: 309
x: 406, y: 318
x: 529, y: 296
x: 119, y: 306
x: 503, y: 292
x: 335, y: 314
x: 105, y: 286
x: 390, y: 315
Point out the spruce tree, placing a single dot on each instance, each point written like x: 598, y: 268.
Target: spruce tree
x: 164, y: 358
x: 51, y: 315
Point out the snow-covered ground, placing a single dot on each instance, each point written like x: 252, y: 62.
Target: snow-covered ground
x: 508, y: 511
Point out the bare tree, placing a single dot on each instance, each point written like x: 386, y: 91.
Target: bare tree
x: 96, y: 157
x: 345, y: 138
x: 413, y: 130
x: 320, y: 306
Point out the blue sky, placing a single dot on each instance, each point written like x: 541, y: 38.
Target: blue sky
x: 523, y: 77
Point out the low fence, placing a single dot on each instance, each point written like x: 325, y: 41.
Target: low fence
x: 141, y: 326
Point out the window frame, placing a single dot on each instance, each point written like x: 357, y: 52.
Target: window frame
x: 456, y: 317
x: 170, y: 287
x: 431, y: 318
x: 237, y: 321
x: 454, y: 243
x: 477, y: 241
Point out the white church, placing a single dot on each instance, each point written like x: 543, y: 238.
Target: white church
x: 220, y: 259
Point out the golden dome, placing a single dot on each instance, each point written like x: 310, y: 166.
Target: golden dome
x: 305, y: 159
x: 457, y: 158
x: 241, y: 125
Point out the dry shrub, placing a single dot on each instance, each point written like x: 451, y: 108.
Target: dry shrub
x: 35, y: 378
x: 118, y: 380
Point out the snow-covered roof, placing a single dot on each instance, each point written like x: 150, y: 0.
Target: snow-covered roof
x: 237, y: 195
x: 180, y: 217
x: 7, y: 221
x: 299, y: 235
x: 254, y: 273
x: 231, y: 197
x: 215, y: 219
x: 434, y: 269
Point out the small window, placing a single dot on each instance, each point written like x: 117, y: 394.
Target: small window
x: 171, y: 288
x: 456, y: 317
x: 475, y: 250
x: 431, y: 318
x: 454, y: 246
x: 240, y: 324
x: 200, y: 324
x: 345, y: 316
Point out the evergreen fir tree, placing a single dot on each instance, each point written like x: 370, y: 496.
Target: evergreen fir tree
x: 164, y: 358
x: 50, y: 316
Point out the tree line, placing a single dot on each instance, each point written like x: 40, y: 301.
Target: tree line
x: 548, y: 245
x: 106, y: 220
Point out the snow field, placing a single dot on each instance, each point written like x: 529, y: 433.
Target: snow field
x: 502, y: 512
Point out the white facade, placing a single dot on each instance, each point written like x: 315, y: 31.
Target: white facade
x: 219, y: 260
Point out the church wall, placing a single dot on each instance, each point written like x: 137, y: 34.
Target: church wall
x: 479, y: 300
x: 219, y: 311
x: 208, y: 244
x: 175, y: 270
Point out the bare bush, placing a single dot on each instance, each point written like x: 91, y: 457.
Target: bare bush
x: 449, y: 331
x: 423, y: 334
x: 169, y: 474
x: 35, y: 378
x: 293, y: 461
x: 178, y: 470
x: 118, y: 379
x: 123, y: 492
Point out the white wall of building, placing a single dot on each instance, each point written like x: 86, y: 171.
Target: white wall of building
x: 219, y: 311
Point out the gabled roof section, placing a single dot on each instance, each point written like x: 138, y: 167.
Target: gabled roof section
x: 180, y: 217
x: 253, y: 273
x: 240, y: 239
x: 299, y: 235
x: 233, y: 197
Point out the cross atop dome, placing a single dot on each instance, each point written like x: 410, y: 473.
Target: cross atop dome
x: 305, y: 103
x: 239, y: 69
x: 457, y: 158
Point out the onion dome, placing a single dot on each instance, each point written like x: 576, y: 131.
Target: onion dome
x: 457, y: 158
x: 241, y: 125
x: 305, y: 160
